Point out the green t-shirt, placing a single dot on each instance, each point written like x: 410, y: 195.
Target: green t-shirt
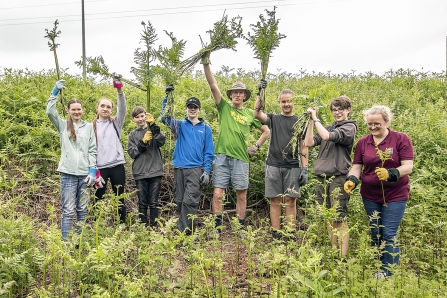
x: 235, y: 125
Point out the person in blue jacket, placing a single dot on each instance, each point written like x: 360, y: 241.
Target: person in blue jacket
x: 192, y: 159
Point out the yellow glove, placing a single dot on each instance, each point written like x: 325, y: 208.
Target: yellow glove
x: 147, y: 136
x: 150, y: 119
x: 382, y: 173
x: 349, y: 187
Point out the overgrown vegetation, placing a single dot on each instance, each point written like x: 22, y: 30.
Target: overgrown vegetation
x: 137, y: 262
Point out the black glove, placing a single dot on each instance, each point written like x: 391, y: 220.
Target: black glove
x: 142, y: 147
x: 303, y: 178
x: 155, y: 129
x: 170, y: 88
x: 261, y: 85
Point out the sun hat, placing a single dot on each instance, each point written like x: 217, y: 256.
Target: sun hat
x: 193, y: 101
x: 239, y: 86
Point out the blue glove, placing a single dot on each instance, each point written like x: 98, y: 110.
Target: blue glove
x: 57, y: 87
x: 163, y: 105
x: 91, y: 177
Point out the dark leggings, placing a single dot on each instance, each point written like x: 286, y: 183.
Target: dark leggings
x: 117, y: 177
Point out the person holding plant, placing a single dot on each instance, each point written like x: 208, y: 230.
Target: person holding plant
x: 192, y: 159
x: 231, y: 163
x: 77, y: 164
x: 110, y: 160
x: 383, y: 160
x: 286, y: 166
x: 332, y: 165
x: 143, y: 147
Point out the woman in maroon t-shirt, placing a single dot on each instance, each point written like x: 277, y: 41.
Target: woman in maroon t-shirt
x: 384, y: 159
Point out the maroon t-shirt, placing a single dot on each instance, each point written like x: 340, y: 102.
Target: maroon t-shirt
x: 365, y: 154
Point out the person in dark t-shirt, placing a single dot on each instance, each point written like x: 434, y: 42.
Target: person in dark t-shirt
x: 286, y: 165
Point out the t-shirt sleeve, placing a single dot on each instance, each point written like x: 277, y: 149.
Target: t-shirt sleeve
x: 358, y: 159
x: 317, y: 140
x: 406, y: 151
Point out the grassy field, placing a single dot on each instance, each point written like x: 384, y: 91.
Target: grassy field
x: 137, y: 262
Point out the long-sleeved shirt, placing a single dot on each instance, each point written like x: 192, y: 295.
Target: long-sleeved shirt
x: 334, y: 157
x: 194, y: 147
x: 147, y: 163
x: 110, y: 149
x: 78, y: 155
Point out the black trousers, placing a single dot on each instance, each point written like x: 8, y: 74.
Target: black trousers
x: 117, y: 176
x: 148, y: 193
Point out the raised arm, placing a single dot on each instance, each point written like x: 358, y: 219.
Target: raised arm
x: 258, y: 113
x: 322, y: 131
x: 51, y: 106
x: 210, y: 79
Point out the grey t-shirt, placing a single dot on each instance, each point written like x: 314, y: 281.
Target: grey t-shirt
x: 280, y: 153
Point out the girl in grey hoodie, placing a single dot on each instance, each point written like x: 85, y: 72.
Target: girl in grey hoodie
x: 110, y: 160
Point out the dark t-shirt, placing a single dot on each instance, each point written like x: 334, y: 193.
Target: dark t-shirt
x: 281, y: 132
x: 365, y: 154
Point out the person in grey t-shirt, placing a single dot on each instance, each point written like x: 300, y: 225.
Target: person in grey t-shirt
x: 286, y: 166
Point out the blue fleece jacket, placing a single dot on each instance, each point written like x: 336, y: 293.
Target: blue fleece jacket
x: 194, y: 147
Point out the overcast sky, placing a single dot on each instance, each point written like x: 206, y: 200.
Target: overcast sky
x: 334, y: 35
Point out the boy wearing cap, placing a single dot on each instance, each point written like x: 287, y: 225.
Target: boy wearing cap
x: 232, y: 155
x: 192, y: 159
x: 286, y: 168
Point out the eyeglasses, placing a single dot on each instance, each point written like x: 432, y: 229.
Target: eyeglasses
x: 336, y: 111
x: 192, y: 107
x: 374, y: 124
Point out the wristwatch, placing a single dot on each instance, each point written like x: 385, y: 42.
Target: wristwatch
x: 257, y: 145
x: 317, y: 120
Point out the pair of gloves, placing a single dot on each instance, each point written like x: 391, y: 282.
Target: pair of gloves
x: 94, y: 178
x: 390, y: 175
x: 153, y: 129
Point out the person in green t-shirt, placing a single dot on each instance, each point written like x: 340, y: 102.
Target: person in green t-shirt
x: 231, y: 163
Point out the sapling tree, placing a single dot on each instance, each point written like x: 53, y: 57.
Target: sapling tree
x: 222, y: 36
x: 263, y: 40
x: 143, y: 58
x: 52, y: 35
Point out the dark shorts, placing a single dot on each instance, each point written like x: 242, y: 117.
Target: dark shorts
x: 333, y: 195
x: 282, y: 182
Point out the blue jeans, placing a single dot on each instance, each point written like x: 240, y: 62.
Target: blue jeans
x: 75, y: 195
x: 384, y: 229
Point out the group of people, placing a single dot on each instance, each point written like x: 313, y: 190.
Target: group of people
x: 92, y: 154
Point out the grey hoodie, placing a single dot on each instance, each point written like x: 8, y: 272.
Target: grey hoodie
x: 334, y: 157
x: 110, y: 149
